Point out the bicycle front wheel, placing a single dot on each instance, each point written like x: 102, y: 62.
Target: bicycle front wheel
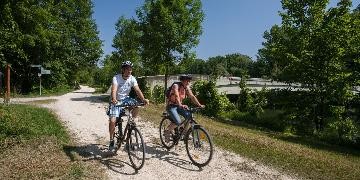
x: 135, y: 147
x: 199, y: 146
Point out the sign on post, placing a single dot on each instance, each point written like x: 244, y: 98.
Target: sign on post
x: 45, y: 71
x: 35, y: 65
x: 42, y: 71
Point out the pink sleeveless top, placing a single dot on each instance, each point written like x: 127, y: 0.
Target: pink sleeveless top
x: 182, y: 94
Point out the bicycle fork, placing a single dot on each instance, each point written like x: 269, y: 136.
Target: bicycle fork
x: 132, y: 140
x: 196, y: 137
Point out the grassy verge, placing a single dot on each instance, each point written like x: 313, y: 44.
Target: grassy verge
x: 44, y: 93
x: 32, y: 143
x: 294, y: 155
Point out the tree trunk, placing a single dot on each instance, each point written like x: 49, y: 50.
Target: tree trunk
x: 166, y: 79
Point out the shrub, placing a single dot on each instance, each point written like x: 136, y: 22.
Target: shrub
x: 207, y: 94
x: 158, y: 94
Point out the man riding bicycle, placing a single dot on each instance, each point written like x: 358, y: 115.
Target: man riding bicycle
x: 174, y: 105
x: 120, y: 89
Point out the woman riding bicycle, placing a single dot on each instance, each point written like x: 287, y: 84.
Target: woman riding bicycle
x: 174, y: 105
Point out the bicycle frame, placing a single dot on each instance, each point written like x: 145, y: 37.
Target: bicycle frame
x: 135, y: 146
x: 181, y: 133
x: 130, y: 124
x: 197, y: 141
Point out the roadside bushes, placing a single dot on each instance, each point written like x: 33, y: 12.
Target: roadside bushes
x: 158, y: 95
x: 252, y: 102
x: 207, y: 94
x: 318, y: 114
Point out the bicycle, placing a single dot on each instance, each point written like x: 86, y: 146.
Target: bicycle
x: 135, y: 145
x: 198, y: 143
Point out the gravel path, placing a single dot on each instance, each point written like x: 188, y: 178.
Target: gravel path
x: 84, y: 115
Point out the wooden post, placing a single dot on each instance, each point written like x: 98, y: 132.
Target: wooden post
x: 7, y: 96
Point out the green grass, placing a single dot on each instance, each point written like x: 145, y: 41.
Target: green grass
x: 32, y: 142
x: 294, y: 155
x: 25, y: 122
x: 44, y: 92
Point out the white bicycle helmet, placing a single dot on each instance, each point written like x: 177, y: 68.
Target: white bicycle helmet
x: 126, y: 63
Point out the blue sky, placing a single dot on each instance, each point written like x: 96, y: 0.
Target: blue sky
x: 230, y: 26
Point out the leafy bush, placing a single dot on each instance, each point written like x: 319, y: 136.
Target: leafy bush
x: 208, y: 95
x: 269, y: 119
x: 158, y: 94
x: 252, y: 102
x: 347, y: 130
x: 144, y: 87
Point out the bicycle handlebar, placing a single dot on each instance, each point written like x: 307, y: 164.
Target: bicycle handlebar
x: 195, y: 109
x: 131, y: 105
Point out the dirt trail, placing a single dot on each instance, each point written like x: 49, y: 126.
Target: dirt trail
x: 84, y: 115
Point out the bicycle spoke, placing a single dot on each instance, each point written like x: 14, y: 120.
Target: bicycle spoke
x: 163, y: 126
x: 136, y: 149
x: 199, y: 146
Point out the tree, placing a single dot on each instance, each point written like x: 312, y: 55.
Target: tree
x: 81, y: 44
x: 59, y: 35
x: 259, y: 69
x: 232, y: 64
x: 170, y: 29
x: 198, y: 66
x: 315, y: 46
x: 127, y: 43
x: 238, y: 64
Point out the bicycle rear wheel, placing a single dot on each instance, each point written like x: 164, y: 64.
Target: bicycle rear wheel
x: 135, y: 147
x: 165, y: 122
x: 199, y: 146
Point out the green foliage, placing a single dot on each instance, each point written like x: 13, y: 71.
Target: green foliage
x: 347, y: 130
x: 170, y: 29
x: 60, y: 36
x: 214, y: 102
x: 252, y: 102
x: 127, y: 44
x: 144, y: 87
x: 158, y: 95
x: 85, y: 76
x: 229, y: 65
x: 269, y: 119
x: 103, y: 76
x: 317, y: 47
x: 299, y: 110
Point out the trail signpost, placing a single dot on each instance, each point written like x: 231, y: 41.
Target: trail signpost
x: 42, y: 71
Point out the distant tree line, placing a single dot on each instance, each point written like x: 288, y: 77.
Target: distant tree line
x: 59, y: 35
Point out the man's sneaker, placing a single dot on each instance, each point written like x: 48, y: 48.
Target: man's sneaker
x: 111, y: 145
x: 167, y: 135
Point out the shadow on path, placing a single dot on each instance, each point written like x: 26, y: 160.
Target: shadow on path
x: 158, y: 152
x: 101, y: 154
x: 101, y: 98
